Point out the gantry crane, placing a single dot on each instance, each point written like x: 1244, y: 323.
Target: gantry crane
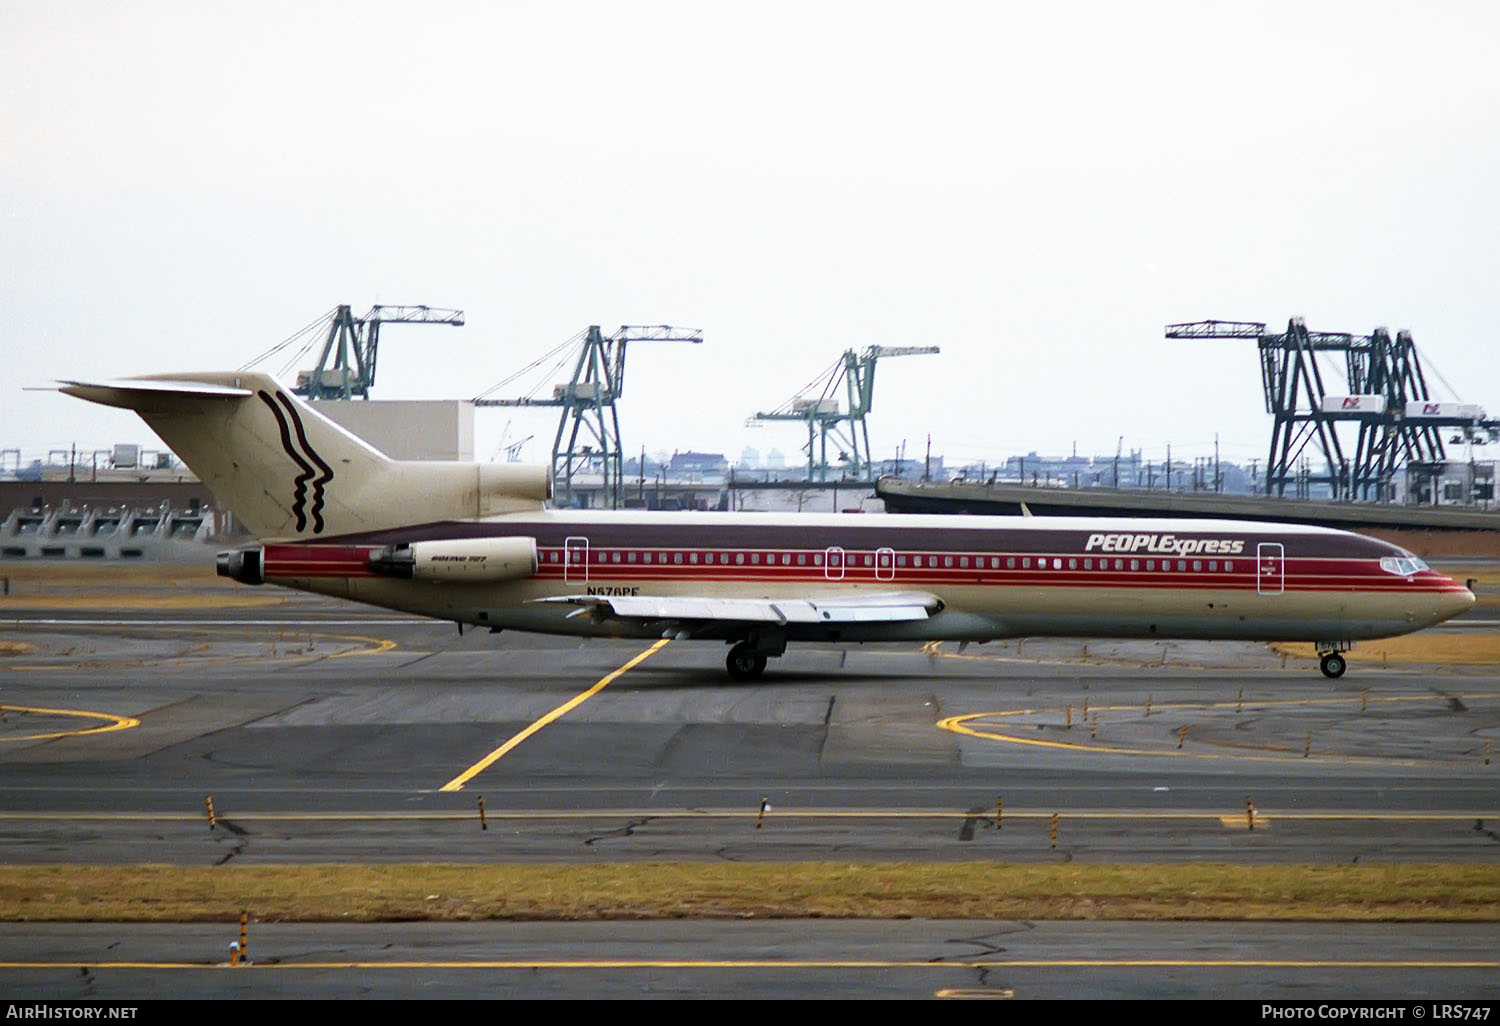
x: 346, y: 367
x: 822, y: 415
x: 1384, y: 393
x: 588, y: 405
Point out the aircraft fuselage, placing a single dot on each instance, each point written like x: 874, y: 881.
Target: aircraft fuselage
x: 993, y: 577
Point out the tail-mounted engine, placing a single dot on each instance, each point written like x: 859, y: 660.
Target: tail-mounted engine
x: 479, y: 559
x: 244, y: 565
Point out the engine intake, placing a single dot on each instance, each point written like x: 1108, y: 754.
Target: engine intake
x: 479, y: 559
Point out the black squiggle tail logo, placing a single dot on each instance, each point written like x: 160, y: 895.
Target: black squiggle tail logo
x: 299, y: 483
x: 326, y: 472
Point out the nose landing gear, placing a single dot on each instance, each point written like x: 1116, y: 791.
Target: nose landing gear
x: 1333, y: 665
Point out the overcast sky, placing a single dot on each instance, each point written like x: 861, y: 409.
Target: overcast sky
x: 1037, y: 188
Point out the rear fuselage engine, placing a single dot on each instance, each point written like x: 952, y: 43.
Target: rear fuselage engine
x: 475, y: 560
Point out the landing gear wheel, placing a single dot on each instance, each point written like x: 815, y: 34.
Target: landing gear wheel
x: 1333, y: 665
x: 744, y: 662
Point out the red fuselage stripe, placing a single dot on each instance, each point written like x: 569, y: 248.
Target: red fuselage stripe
x: 808, y: 567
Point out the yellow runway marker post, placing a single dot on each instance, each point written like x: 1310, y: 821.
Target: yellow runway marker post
x: 458, y: 782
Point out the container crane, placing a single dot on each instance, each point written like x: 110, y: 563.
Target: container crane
x: 1384, y: 393
x: 817, y: 406
x: 588, y: 405
x: 346, y: 367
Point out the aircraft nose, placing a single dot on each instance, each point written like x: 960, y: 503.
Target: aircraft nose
x: 1451, y: 603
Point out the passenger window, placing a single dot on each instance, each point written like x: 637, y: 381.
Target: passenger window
x: 1197, y: 565
x: 677, y: 557
x: 1088, y: 564
x: 1026, y: 563
x: 755, y: 558
x: 900, y: 560
x: 817, y: 559
x: 1150, y: 564
x: 692, y: 557
x: 630, y: 557
x: 801, y: 559
x: 1135, y: 564
x: 1072, y: 564
x: 1057, y: 564
x: 739, y: 557
x: 1213, y: 566
x: 1228, y: 567
x: 932, y: 561
x: 1119, y: 564
x: 1010, y: 562
x: 947, y: 561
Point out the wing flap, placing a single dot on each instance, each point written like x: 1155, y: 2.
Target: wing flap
x: 874, y: 608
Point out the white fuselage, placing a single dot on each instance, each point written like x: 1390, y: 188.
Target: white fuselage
x: 992, y: 577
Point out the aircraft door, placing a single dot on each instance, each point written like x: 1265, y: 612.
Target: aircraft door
x: 833, y: 563
x: 576, y: 559
x: 1270, y: 569
x: 885, y: 564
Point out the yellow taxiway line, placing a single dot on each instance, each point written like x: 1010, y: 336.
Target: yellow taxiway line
x: 199, y: 657
x: 787, y: 963
x: 1263, y: 817
x: 112, y: 722
x: 458, y: 782
x: 966, y: 724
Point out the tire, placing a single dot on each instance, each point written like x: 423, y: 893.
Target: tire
x: 744, y: 663
x: 1334, y: 665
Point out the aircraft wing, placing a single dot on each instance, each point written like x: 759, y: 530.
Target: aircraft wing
x: 886, y: 607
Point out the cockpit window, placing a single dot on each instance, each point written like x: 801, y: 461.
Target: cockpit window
x: 1403, y: 566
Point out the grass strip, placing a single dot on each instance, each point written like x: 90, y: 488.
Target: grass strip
x: 1445, y: 648
x: 977, y: 890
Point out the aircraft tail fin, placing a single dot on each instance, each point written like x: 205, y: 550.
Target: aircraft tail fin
x: 289, y: 473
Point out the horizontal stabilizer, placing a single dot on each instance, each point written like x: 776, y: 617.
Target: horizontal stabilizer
x: 129, y: 392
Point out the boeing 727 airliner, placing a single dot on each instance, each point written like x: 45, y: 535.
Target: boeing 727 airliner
x: 475, y: 544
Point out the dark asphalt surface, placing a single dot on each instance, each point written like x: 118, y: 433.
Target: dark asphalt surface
x: 326, y: 733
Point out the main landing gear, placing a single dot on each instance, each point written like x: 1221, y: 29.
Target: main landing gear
x: 747, y: 659
x: 1333, y: 665
x: 744, y: 662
